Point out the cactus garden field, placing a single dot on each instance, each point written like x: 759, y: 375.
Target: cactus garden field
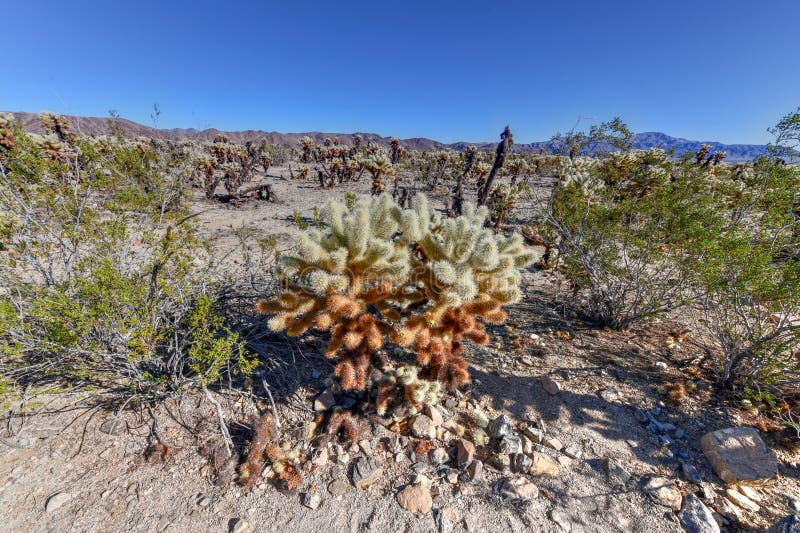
x: 355, y: 334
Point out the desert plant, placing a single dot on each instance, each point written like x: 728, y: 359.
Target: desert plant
x: 379, y: 272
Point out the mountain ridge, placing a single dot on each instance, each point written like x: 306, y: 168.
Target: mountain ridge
x: 105, y: 126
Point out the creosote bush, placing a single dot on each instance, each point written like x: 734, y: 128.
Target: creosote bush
x: 381, y: 273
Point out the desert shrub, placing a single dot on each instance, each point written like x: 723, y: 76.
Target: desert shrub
x: 104, y: 279
x: 379, y: 273
x: 621, y: 226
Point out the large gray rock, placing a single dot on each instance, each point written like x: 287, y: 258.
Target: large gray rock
x: 696, y: 517
x: 739, y: 454
x: 790, y: 524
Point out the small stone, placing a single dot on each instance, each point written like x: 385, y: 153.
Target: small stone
x: 366, y: 472
x: 542, y: 465
x: 416, y: 499
x: 320, y: 457
x: 550, y: 385
x: 554, y: 443
x: 433, y: 413
x: 609, y: 395
x: 739, y: 499
x: 465, y: 451
x: 343, y: 458
x: 750, y: 492
x: 616, y: 473
x: 789, y: 524
x: 439, y: 456
x: 338, y: 486
x: 562, y: 519
x: 399, y: 457
x: 324, y: 401
x: 500, y: 426
x: 240, y: 525
x: 422, y: 479
x: 564, y: 461
x: 521, y: 463
x: 453, y: 427
x: 422, y: 427
x: 475, y: 470
x: 535, y: 434
x: 517, y: 488
x: 511, y: 443
x: 452, y: 476
x: 661, y: 365
x: 366, y: 446
x: 663, y: 491
x: 442, y: 521
x: 696, y: 517
x: 311, y: 500
x: 739, y: 454
x: 56, y: 501
x: 573, y: 451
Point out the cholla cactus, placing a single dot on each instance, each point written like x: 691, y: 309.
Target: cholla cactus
x: 379, y: 167
x: 57, y: 125
x: 359, y: 278
x: 7, y: 131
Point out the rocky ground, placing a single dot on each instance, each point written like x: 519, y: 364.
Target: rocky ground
x: 564, y: 428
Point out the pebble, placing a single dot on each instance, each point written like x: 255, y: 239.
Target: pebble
x: 510, y: 443
x: 475, y: 470
x: 465, y: 451
x: 517, y: 488
x: 416, y: 499
x: 739, y: 499
x: 573, y: 451
x: 56, y: 501
x: 311, y: 500
x: 663, y: 491
x: 550, y: 385
x: 554, y: 443
x: 562, y: 519
x: 240, y: 525
x: 422, y: 426
x: 521, y: 463
x: 661, y: 365
x: 541, y: 465
x: 443, y: 523
x: 366, y: 446
x: 366, y: 472
x: 203, y: 501
x: 320, y: 457
x: 439, y: 456
x: 338, y: 486
x: 609, y: 395
x: 433, y: 413
x: 696, y: 517
x: 500, y: 427
x: 324, y: 401
x: 616, y: 473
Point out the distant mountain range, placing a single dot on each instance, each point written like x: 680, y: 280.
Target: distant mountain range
x: 103, y: 126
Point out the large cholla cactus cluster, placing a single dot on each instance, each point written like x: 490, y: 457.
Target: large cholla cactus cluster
x: 381, y: 273
x: 7, y: 131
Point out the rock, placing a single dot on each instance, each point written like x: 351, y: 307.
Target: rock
x: 366, y: 472
x: 562, y: 519
x: 114, y: 426
x: 790, y: 524
x: 691, y: 473
x: 453, y: 427
x: 794, y: 505
x: 554, y: 443
x: 475, y: 470
x: 663, y: 491
x: 320, y: 457
x: 452, y: 476
x: 500, y: 426
x: 439, y: 456
x: 240, y: 525
x: 416, y: 499
x: 616, y: 473
x: 433, y: 413
x: 535, y: 434
x: 203, y: 501
x: 465, y: 451
x: 422, y: 479
x: 324, y: 401
x: 739, y: 499
x: 311, y: 500
x: 696, y: 517
x: 56, y: 501
x: 422, y: 427
x: 517, y: 488
x: 739, y: 454
x: 442, y: 521
x: 750, y: 492
x: 338, y: 486
x: 609, y: 395
x: 541, y: 465
x: 550, y: 385
x: 573, y: 452
x: 521, y: 463
x: 661, y: 365
x: 511, y: 443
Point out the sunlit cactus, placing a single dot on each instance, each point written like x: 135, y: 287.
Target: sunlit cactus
x: 378, y: 271
x: 7, y: 131
x: 380, y: 168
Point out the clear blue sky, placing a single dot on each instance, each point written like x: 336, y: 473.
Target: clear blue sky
x: 449, y: 70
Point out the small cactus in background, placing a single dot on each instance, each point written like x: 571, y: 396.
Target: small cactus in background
x: 7, y: 131
x: 380, y: 168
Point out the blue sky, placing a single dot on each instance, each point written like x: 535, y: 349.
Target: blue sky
x: 449, y: 70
